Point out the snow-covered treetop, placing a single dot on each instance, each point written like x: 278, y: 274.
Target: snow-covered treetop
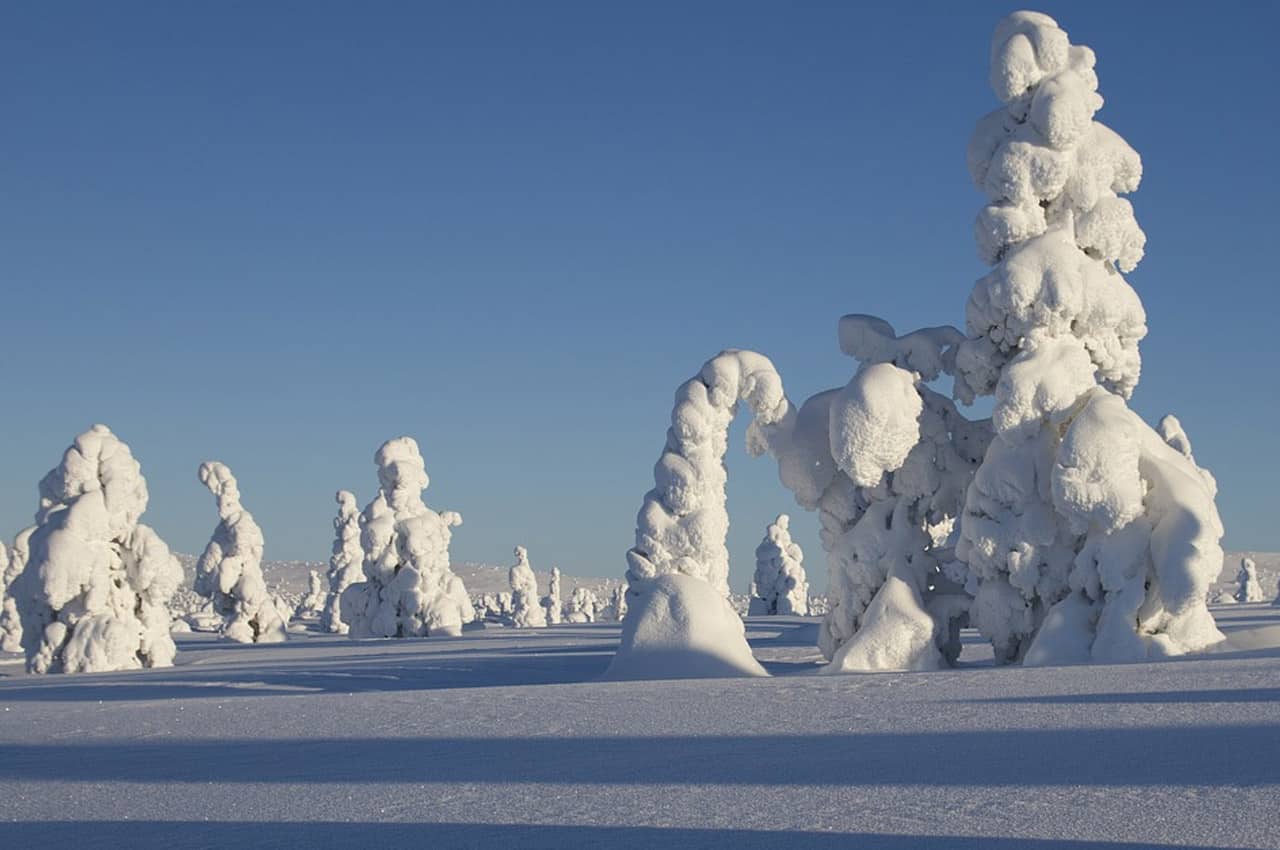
x: 222, y: 484
x: 97, y: 462
x: 402, y: 473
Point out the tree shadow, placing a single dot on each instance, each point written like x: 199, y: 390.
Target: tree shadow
x: 319, y: 835
x: 1149, y: 698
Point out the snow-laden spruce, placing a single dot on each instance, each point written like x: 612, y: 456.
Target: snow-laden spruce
x: 1248, y: 587
x: 229, y: 571
x: 528, y: 612
x: 583, y: 605
x: 312, y: 603
x: 408, y: 588
x: 95, y: 587
x: 1087, y: 534
x: 779, y: 585
x: 884, y: 461
x: 12, y: 566
x: 683, y: 523
x: 346, y: 561
x: 552, y: 603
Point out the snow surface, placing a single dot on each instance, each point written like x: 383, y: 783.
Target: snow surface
x: 505, y: 738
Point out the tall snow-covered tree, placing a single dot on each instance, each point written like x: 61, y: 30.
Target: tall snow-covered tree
x: 96, y: 583
x: 311, y: 604
x: 1087, y: 534
x: 409, y: 587
x: 780, y: 585
x: 1248, y: 588
x: 229, y: 571
x: 10, y: 619
x: 527, y: 610
x: 346, y: 563
x: 553, y: 602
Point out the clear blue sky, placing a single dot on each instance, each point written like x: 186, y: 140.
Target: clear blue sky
x: 277, y: 234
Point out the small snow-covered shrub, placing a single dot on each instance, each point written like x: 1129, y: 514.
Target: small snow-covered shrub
x: 1248, y: 588
x: 346, y: 563
x: 409, y: 588
x: 229, y: 571
x: 527, y: 611
x: 96, y: 583
x: 552, y: 603
x: 779, y: 585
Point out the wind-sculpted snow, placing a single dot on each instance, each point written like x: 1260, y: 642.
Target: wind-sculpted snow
x: 885, y: 462
x: 527, y: 611
x: 95, y: 585
x: 1087, y: 535
x: 229, y: 572
x: 409, y: 588
x: 779, y: 585
x: 346, y: 563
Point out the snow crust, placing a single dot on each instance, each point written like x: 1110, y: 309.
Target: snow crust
x: 409, y: 587
x: 95, y: 585
x: 229, y: 572
x: 526, y: 608
x: 779, y: 585
x: 346, y: 563
x: 680, y: 627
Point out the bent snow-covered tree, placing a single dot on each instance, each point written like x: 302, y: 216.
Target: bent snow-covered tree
x: 229, y: 571
x: 1248, y: 588
x: 409, y: 588
x: 673, y: 627
x: 346, y: 563
x: 779, y: 585
x: 884, y: 461
x: 527, y: 612
x: 1087, y: 534
x: 95, y: 588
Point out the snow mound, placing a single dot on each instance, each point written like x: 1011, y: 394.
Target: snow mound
x: 680, y: 627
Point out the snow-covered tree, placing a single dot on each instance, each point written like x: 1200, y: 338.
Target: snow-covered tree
x: 313, y: 602
x: 10, y: 619
x: 780, y: 585
x: 553, y: 603
x: 229, y: 571
x: 618, y: 604
x: 582, y: 605
x: 1248, y: 588
x: 527, y: 610
x: 1087, y: 534
x: 409, y: 587
x: 346, y: 563
x: 95, y: 587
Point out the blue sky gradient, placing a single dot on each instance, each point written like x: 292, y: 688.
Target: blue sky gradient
x: 277, y: 234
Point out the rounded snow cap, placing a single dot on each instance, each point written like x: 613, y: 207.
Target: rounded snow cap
x: 1025, y: 48
x: 401, y: 467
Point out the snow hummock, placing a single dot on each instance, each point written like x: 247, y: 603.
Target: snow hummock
x: 680, y: 627
x: 527, y: 611
x: 346, y: 563
x: 409, y: 588
x: 779, y: 585
x: 96, y: 583
x: 229, y: 572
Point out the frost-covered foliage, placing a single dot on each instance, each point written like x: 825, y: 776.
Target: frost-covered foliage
x: 1248, y: 588
x: 346, y: 563
x: 553, y: 604
x: 229, y: 572
x: 10, y: 569
x: 95, y: 586
x: 313, y: 602
x: 682, y: 525
x: 680, y: 627
x: 583, y: 606
x: 409, y: 587
x: 884, y: 461
x: 527, y: 611
x: 779, y: 585
x: 1087, y: 534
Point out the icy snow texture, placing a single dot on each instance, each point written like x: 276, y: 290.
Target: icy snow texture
x: 553, y: 604
x: 346, y: 563
x: 885, y: 462
x: 683, y: 522
x: 679, y: 627
x: 96, y: 583
x: 1248, y: 589
x: 409, y: 588
x: 527, y: 612
x: 779, y: 585
x: 1087, y: 535
x: 229, y: 572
